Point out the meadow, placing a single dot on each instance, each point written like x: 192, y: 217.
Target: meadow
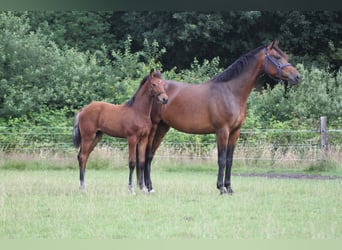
x: 47, y: 204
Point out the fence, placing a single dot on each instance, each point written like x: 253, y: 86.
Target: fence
x: 272, y: 146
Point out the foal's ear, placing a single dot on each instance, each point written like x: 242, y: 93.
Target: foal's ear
x: 151, y: 72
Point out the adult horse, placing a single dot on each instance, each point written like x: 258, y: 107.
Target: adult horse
x: 217, y: 106
x: 130, y: 120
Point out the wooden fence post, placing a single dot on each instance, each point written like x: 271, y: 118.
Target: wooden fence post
x: 324, y: 138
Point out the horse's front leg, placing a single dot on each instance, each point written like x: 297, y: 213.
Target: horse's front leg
x: 132, y: 142
x: 221, y: 166
x: 230, y: 152
x: 229, y: 163
x: 148, y: 158
x: 222, y: 141
x: 156, y: 136
x: 141, y: 150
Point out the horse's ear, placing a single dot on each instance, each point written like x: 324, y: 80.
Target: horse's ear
x: 151, y: 72
x: 273, y: 44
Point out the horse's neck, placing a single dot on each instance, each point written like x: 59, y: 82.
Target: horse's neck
x: 143, y: 102
x: 243, y: 84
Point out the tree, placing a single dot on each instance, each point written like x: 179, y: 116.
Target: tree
x: 81, y: 30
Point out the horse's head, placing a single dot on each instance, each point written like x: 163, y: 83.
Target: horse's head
x: 277, y: 65
x: 157, y: 86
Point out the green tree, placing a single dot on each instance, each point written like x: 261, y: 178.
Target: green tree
x: 81, y: 30
x: 35, y: 72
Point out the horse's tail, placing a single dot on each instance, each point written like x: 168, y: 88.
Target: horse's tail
x: 76, y: 134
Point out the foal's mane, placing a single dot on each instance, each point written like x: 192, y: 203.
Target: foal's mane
x: 237, y: 67
x: 130, y: 102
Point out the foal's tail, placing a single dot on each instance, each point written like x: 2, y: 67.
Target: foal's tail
x: 76, y: 135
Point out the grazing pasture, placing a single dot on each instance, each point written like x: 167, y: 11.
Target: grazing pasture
x: 47, y: 204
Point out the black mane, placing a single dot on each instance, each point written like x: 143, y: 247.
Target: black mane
x: 236, y: 67
x: 131, y: 101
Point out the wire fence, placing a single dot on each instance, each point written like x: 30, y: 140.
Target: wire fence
x: 272, y: 145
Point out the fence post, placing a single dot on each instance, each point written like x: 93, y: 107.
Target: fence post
x: 324, y: 138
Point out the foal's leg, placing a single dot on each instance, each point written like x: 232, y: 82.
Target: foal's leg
x: 222, y: 141
x: 156, y: 137
x: 82, y: 160
x: 87, y: 146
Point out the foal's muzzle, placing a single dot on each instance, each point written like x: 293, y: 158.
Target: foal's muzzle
x: 162, y: 97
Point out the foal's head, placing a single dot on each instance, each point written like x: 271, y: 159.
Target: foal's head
x: 156, y: 84
x: 277, y: 65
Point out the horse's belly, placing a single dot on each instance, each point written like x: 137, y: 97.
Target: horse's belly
x: 191, y: 125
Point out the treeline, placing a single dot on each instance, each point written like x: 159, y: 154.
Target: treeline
x: 310, y: 36
x: 53, y: 63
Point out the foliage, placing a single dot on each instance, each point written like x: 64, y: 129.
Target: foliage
x: 317, y: 94
x: 35, y: 73
x: 313, y: 36
x: 82, y: 30
x: 54, y: 63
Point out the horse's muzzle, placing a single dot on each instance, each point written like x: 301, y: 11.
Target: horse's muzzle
x: 294, y: 78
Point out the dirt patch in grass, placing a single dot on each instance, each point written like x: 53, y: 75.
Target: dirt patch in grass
x: 289, y: 176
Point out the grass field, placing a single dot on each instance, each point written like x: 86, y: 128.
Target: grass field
x: 186, y: 205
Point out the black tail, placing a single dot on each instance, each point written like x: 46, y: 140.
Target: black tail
x: 76, y: 135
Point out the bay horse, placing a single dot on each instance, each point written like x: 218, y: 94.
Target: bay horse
x: 129, y: 120
x: 217, y: 106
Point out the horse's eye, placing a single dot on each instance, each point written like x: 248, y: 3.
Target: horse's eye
x: 277, y: 57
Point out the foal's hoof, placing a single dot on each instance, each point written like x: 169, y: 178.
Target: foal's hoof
x: 151, y: 191
x: 131, y: 190
x: 226, y: 191
x: 144, y: 190
x: 223, y: 191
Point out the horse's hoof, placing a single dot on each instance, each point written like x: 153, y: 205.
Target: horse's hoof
x: 151, y: 191
x: 83, y: 188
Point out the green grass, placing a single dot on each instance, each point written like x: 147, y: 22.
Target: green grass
x: 48, y: 204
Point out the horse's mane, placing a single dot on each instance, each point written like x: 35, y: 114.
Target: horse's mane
x: 130, y: 102
x: 236, y: 67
